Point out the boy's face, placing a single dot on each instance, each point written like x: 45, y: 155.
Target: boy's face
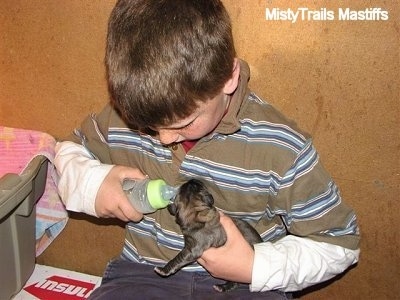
x: 203, y: 121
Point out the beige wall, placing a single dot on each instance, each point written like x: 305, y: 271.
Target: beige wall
x: 339, y: 80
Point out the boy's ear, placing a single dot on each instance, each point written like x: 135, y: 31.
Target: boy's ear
x: 232, y: 83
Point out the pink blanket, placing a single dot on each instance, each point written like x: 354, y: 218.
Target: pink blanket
x: 17, y: 148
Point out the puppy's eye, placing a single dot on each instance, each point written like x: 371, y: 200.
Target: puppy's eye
x: 208, y: 199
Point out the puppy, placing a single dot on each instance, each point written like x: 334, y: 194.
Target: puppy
x: 199, y: 221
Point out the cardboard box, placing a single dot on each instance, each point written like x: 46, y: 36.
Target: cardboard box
x: 58, y: 284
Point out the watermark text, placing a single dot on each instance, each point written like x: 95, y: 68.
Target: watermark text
x: 324, y: 14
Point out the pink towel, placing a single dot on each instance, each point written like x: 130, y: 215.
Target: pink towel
x: 17, y: 148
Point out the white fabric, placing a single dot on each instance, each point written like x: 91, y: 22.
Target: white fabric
x: 277, y: 265
x: 80, y: 177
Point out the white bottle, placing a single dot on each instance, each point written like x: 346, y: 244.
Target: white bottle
x: 147, y: 195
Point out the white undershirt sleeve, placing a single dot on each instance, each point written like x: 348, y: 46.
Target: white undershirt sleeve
x: 293, y: 263
x: 80, y: 177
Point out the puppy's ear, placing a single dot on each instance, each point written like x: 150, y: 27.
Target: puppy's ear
x: 206, y: 215
x: 172, y: 209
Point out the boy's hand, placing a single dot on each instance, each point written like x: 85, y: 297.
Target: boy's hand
x: 232, y: 261
x: 111, y: 200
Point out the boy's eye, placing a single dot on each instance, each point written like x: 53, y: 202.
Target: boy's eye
x: 185, y: 126
x: 155, y: 129
x: 188, y: 125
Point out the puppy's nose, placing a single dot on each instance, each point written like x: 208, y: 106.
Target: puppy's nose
x: 172, y: 209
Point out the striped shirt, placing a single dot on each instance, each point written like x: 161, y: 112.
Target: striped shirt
x: 257, y: 164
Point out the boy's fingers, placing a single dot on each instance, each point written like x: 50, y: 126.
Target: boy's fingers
x: 134, y: 174
x: 120, y: 215
x: 129, y: 212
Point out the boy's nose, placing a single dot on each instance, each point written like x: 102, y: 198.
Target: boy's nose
x: 168, y: 136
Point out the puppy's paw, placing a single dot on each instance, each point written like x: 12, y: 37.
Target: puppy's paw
x: 160, y: 271
x: 226, y: 287
x: 218, y: 288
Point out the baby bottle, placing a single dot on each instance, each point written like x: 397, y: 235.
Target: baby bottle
x: 148, y: 195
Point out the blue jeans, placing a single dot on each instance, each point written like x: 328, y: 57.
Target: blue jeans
x: 128, y: 280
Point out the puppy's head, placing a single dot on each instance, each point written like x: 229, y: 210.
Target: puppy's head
x: 193, y: 205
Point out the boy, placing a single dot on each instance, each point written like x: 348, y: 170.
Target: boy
x: 181, y: 109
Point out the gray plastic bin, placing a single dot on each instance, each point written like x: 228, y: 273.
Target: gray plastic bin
x: 18, y: 196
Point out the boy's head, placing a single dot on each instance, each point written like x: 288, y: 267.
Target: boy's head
x: 163, y: 57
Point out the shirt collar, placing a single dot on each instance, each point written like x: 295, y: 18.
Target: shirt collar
x: 230, y: 122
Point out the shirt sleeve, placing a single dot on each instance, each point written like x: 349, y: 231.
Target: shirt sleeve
x: 294, y: 263
x: 79, y: 176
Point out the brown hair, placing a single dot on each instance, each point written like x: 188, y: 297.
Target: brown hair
x: 163, y: 56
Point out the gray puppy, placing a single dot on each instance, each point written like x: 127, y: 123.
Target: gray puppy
x: 199, y: 221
